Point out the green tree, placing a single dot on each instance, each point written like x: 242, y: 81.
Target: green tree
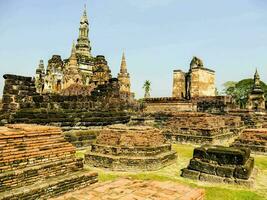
x: 147, y: 88
x: 240, y: 90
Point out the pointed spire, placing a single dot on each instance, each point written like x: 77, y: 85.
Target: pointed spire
x: 84, y: 12
x: 123, y: 64
x: 83, y: 46
x: 256, y: 75
x: 73, y: 58
x: 84, y: 18
x: 73, y: 49
x: 257, y: 81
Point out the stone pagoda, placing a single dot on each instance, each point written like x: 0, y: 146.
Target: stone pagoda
x: 256, y: 99
x: 86, y: 69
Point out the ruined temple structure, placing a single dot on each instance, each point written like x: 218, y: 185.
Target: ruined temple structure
x: 37, y: 163
x: 199, y: 128
x: 197, y: 82
x: 22, y: 104
x: 221, y: 165
x: 256, y: 99
x: 81, y: 68
x: 77, y: 92
x: 130, y: 148
x: 254, y: 139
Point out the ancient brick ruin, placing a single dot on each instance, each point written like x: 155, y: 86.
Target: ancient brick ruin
x: 221, y: 165
x: 199, y: 128
x: 21, y: 104
x: 254, y: 139
x: 121, y: 147
x: 197, y: 82
x: 209, y: 104
x: 36, y: 162
x: 81, y: 138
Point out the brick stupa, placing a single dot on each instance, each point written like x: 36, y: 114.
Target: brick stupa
x: 126, y: 148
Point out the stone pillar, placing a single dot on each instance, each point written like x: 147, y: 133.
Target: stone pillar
x: 178, y: 89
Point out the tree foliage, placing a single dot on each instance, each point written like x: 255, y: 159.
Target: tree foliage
x: 147, y: 88
x: 240, y: 90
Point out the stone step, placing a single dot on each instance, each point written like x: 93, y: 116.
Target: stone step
x: 130, y: 163
x: 52, y: 187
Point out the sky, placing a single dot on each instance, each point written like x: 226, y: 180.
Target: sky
x: 157, y: 37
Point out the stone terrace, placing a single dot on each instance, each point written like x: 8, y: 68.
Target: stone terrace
x: 121, y: 147
x: 200, y: 127
x: 33, y: 154
x: 255, y: 139
x: 221, y: 165
x: 125, y: 189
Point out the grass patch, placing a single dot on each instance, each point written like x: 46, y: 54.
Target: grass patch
x: 261, y: 162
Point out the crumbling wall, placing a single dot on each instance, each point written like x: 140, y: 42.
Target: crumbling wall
x: 168, y: 104
x: 17, y: 90
x: 22, y: 104
x: 20, y: 93
x: 214, y: 104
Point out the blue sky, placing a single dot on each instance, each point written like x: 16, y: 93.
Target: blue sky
x: 157, y: 36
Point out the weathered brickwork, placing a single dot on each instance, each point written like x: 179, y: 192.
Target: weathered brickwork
x: 221, y: 165
x: 168, y: 104
x: 24, y: 105
x: 81, y: 138
x: 199, y: 127
x: 17, y: 89
x: 251, y: 119
x: 179, y: 84
x: 130, y: 148
x: 33, y: 154
x: 125, y: 189
x: 197, y: 82
x: 208, y: 104
x: 202, y: 82
x: 254, y: 139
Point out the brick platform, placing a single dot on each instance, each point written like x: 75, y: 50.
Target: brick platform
x: 221, y: 165
x: 33, y: 154
x: 255, y: 139
x: 124, y: 189
x: 201, y: 128
x: 127, y: 148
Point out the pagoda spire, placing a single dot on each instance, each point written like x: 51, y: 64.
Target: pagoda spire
x: 83, y: 43
x: 73, y: 57
x: 257, y: 81
x: 123, y: 68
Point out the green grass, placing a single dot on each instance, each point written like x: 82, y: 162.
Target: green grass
x: 213, y: 191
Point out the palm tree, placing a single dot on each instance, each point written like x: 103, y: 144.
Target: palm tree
x: 147, y: 88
